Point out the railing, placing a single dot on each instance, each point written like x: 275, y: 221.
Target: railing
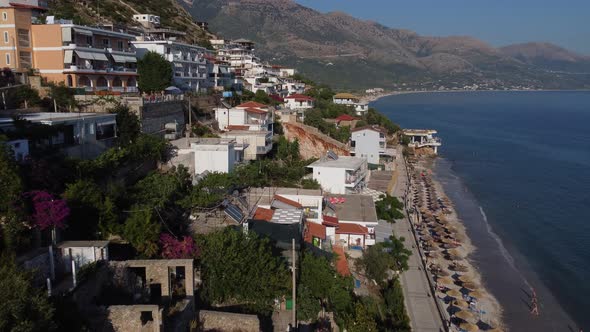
x: 162, y: 99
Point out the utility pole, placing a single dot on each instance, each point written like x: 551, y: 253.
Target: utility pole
x: 189, y: 125
x: 294, y: 293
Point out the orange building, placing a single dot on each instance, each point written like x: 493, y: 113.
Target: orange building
x: 16, y: 48
x: 85, y: 57
x: 92, y: 58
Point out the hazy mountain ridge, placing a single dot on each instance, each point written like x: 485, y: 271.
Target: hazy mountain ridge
x: 325, y: 45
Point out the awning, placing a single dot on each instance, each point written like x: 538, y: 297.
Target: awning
x: 100, y: 57
x: 68, y: 54
x: 83, y: 32
x: 85, y: 55
x: 118, y: 58
x: 130, y: 59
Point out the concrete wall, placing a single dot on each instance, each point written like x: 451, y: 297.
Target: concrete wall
x: 155, y: 116
x: 82, y: 256
x: 227, y: 322
x: 367, y: 145
x: 221, y: 160
x: 331, y: 179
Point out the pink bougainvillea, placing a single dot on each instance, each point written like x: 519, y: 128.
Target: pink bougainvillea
x: 48, y: 211
x: 174, y: 249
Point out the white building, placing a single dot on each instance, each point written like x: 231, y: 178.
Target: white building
x: 340, y: 174
x: 420, y: 138
x: 208, y: 154
x: 250, y: 116
x: 188, y: 61
x: 348, y: 99
x: 368, y: 142
x: 147, y: 20
x: 299, y: 102
x: 82, y: 253
x: 257, y: 143
x: 80, y: 135
x: 20, y: 149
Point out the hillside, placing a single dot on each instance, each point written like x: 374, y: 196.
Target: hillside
x: 91, y: 12
x: 347, y: 52
x: 548, y: 56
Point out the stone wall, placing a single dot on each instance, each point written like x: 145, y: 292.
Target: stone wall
x: 227, y: 322
x: 129, y: 318
x: 313, y: 143
x: 155, y: 116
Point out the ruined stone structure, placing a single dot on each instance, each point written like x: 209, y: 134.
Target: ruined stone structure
x: 227, y: 321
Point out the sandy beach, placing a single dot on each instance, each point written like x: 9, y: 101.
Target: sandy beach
x: 447, y: 248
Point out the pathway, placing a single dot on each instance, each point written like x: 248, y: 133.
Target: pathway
x: 420, y: 304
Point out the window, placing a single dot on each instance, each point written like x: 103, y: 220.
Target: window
x: 4, y: 16
x: 167, y: 50
x: 23, y: 38
x: 105, y: 131
x: 7, y: 58
x: 89, y: 41
x: 6, y: 37
x: 120, y: 45
x: 24, y: 58
x: 106, y: 42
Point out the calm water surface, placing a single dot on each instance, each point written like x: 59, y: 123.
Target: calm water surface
x: 519, y: 164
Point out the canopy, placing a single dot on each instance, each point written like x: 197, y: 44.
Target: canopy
x: 469, y: 327
x: 476, y: 294
x: 83, y: 32
x: 465, y: 315
x: 91, y: 56
x: 470, y: 285
x: 460, y: 303
x: 445, y: 281
x: 173, y: 90
x: 465, y: 278
x: 123, y: 58
x: 454, y: 293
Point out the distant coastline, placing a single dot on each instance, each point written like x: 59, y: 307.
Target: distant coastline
x: 374, y: 97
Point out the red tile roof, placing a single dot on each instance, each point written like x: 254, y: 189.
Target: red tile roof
x: 346, y: 228
x: 237, y: 127
x: 373, y: 127
x: 251, y: 104
x: 277, y: 98
x: 341, y: 262
x: 330, y: 221
x: 263, y: 214
x: 346, y: 117
x: 256, y: 110
x: 314, y: 230
x: 298, y: 96
x: 22, y: 5
x: 287, y: 201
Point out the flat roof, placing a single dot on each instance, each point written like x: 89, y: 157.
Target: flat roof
x: 347, y: 162
x: 360, y: 208
x: 48, y: 117
x: 265, y: 196
x: 419, y: 131
x: 284, y: 216
x: 82, y: 244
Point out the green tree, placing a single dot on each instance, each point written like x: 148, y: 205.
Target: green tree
x: 162, y: 190
x: 63, y: 96
x: 376, y: 262
x: 142, y: 230
x: 12, y: 227
x: 29, y: 95
x: 128, y: 125
x: 389, y: 208
x: 396, y: 317
x: 241, y: 269
x: 85, y: 200
x: 23, y: 307
x: 361, y: 320
x: 155, y: 73
x: 262, y: 97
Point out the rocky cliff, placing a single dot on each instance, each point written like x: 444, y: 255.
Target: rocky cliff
x: 312, y: 143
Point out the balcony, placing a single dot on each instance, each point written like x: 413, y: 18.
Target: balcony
x: 354, y: 177
x: 90, y: 68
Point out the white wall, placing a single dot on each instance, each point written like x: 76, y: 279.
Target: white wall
x: 294, y: 104
x: 219, y: 158
x: 366, y: 145
x: 82, y: 256
x: 20, y: 147
x: 331, y: 179
x: 236, y: 117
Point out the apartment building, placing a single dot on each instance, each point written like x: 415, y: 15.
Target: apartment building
x: 369, y: 142
x: 16, y: 47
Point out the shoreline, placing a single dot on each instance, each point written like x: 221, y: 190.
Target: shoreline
x: 375, y: 97
x: 440, y: 232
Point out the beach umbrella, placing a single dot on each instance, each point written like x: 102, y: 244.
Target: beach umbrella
x: 445, y: 281
x: 465, y: 278
x: 460, y: 303
x: 469, y: 285
x: 464, y: 315
x: 455, y: 252
x: 454, y: 293
x: 476, y: 294
x: 468, y: 326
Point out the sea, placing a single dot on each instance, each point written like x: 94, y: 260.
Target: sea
x: 517, y: 167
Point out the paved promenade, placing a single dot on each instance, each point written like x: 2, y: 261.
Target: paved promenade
x: 420, y: 304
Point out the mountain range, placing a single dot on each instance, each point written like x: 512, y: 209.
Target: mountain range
x: 350, y: 53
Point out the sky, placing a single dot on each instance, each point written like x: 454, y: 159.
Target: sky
x: 498, y: 22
